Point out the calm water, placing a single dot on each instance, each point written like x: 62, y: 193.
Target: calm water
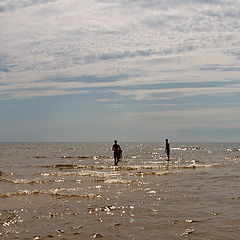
x: 73, y: 191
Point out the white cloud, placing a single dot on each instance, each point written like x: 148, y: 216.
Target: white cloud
x: 150, y: 41
x: 9, y: 5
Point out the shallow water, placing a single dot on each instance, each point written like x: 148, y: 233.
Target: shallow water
x: 73, y: 191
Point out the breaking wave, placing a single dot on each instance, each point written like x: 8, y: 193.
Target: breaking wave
x: 75, y: 166
x: 121, y: 181
x: 117, y: 170
x: 131, y: 167
x: 62, y: 192
x: 81, y: 173
x: 26, y: 181
x: 157, y: 173
x: 167, y: 167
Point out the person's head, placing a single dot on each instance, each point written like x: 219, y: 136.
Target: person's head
x: 166, y: 140
x: 115, y: 141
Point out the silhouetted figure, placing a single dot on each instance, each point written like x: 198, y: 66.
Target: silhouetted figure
x: 117, y: 152
x: 120, y: 153
x: 167, y: 149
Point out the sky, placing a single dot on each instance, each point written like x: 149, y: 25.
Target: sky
x: 131, y: 70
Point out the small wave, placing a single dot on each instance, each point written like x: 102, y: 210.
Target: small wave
x: 101, y: 157
x: 233, y: 159
x: 157, y: 173
x: 121, y: 181
x: 236, y: 158
x: 75, y: 166
x: 187, y: 148
x: 93, y: 170
x: 187, y: 231
x: 195, y: 166
x: 81, y: 173
x: 63, y: 166
x: 156, y: 162
x: 192, y: 165
x: 233, y: 150
x: 111, y: 208
x: 62, y: 192
x: 96, y: 167
x: 169, y: 166
x: 138, y: 167
x: 79, y: 157
x: 106, y: 175
x: 26, y: 181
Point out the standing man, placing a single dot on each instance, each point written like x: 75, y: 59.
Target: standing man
x: 116, y: 152
x: 167, y: 149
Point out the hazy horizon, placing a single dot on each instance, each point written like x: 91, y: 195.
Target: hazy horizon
x: 123, y: 142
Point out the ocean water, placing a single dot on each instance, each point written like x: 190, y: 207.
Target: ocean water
x: 73, y: 191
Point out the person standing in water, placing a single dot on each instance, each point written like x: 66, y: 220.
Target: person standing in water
x: 167, y: 149
x: 116, y: 152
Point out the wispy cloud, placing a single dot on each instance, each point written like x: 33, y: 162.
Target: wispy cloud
x: 160, y: 94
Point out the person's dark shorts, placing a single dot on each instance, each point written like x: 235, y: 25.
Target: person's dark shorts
x: 116, y: 155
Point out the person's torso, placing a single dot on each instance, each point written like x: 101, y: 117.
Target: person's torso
x: 167, y: 146
x: 116, y: 147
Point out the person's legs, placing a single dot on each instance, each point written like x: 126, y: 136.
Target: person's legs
x: 168, y: 155
x: 115, y: 158
x: 118, y: 157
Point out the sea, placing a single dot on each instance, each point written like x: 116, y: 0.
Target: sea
x: 73, y: 191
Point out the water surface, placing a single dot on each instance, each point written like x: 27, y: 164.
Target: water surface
x: 73, y: 191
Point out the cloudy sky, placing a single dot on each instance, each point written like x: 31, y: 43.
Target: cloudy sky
x: 134, y: 70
